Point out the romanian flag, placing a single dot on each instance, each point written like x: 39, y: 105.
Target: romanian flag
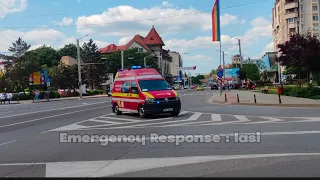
x: 216, y: 21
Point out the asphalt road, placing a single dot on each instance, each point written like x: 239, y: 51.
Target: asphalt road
x: 75, y: 138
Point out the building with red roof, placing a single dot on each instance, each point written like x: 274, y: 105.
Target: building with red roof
x: 151, y: 43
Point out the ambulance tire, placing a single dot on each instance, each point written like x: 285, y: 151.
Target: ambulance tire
x: 175, y: 113
x: 116, y: 109
x: 141, y: 112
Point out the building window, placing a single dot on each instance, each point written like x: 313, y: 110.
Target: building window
x: 140, y: 50
x: 291, y: 20
x: 314, y: 8
x: 315, y: 18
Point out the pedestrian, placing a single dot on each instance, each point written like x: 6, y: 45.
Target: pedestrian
x: 2, y: 97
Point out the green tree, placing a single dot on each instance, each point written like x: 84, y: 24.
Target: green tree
x: 93, y: 69
x: 252, y: 71
x: 196, y: 79
x: 302, y: 53
x: 19, y: 48
x: 46, y: 55
x: 213, y: 71
x: 69, y: 50
x: 64, y: 77
x: 130, y: 58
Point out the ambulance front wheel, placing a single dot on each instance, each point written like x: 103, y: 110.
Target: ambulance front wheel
x: 175, y: 113
x: 116, y: 109
x: 141, y: 112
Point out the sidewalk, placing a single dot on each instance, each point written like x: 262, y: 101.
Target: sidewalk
x: 56, y: 99
x: 247, y: 98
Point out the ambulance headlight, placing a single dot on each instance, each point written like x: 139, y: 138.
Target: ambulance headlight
x: 150, y: 100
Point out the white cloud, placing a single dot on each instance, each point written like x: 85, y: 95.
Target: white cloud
x: 66, y: 22
x: 12, y: 6
x: 36, y: 38
x: 165, y: 19
x: 101, y: 44
x: 261, y: 27
x: 166, y: 4
x: 268, y: 47
x: 200, y: 42
x: 124, y: 40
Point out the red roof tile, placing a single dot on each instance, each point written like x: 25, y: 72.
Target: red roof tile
x: 153, y: 38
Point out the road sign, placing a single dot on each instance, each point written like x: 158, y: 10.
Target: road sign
x: 48, y: 81
x: 220, y: 73
x: 186, y: 68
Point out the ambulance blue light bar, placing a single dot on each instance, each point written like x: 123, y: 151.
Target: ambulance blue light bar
x: 136, y: 67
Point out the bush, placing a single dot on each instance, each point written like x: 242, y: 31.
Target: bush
x: 304, y: 92
x: 315, y: 97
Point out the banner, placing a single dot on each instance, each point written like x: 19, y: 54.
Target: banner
x: 38, y: 78
x: 186, y: 68
x: 232, y: 74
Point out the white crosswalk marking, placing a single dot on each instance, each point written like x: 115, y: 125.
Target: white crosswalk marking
x: 242, y: 118
x: 272, y: 119
x: 103, y: 121
x: 216, y: 117
x: 185, y: 118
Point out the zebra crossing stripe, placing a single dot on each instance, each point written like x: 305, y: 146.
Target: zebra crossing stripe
x: 272, y: 119
x: 216, y: 117
x: 103, y: 121
x: 242, y: 118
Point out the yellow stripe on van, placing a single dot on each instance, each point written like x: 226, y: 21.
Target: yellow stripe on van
x: 125, y: 95
x: 175, y: 93
x: 148, y: 94
x: 117, y: 75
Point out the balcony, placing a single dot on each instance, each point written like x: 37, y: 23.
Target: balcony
x: 291, y: 5
x: 292, y: 14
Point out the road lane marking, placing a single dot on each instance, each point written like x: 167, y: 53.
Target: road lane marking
x: 103, y: 121
x: 242, y: 118
x: 216, y: 117
x: 7, y: 142
x: 190, y: 123
x: 183, y: 113
x: 34, y: 112
x: 195, y: 116
x: 122, y: 119
x: 272, y: 119
x: 8, y: 125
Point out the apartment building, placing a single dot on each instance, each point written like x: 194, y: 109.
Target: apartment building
x: 176, y: 62
x: 294, y: 16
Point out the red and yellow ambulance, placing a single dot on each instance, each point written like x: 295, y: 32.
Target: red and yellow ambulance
x: 144, y: 91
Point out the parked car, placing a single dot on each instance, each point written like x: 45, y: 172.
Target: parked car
x: 214, y: 86
x: 200, y: 88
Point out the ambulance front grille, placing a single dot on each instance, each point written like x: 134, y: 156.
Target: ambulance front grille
x: 163, y: 99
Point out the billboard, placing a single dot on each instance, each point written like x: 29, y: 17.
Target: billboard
x: 186, y: 68
x: 232, y: 74
x: 38, y: 78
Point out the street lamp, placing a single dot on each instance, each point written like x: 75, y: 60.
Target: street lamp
x: 79, y: 64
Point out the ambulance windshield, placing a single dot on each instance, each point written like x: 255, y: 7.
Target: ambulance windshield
x: 154, y: 85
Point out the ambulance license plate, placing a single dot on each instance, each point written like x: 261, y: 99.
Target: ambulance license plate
x: 168, y: 109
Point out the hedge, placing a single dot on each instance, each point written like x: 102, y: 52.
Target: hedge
x: 304, y: 92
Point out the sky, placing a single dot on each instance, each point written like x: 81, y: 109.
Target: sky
x: 184, y: 25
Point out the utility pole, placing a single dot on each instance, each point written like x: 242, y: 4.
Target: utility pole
x: 240, y: 52
x: 224, y: 74
x: 79, y: 68
x: 79, y: 64
x: 144, y: 62
x: 122, y: 63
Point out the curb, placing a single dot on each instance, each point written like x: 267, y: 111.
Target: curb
x: 272, y: 105
x: 60, y: 99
